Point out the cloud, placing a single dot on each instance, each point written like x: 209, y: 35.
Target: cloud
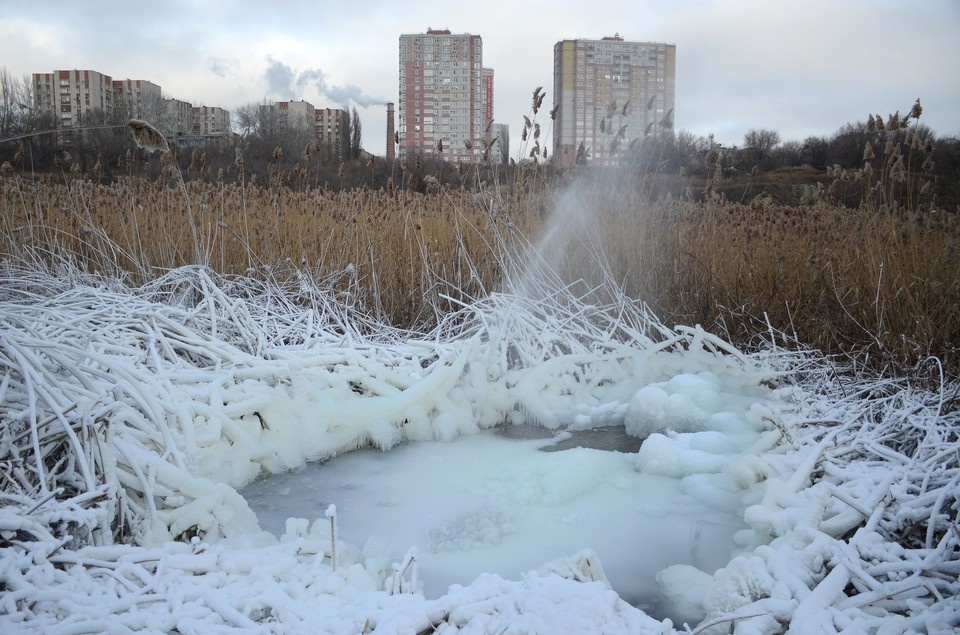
x: 352, y: 93
x: 221, y: 66
x: 280, y: 79
x: 286, y: 83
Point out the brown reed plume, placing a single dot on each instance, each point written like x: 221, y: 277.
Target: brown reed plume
x: 150, y: 139
x: 147, y: 137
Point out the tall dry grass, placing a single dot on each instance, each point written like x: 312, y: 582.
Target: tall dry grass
x: 395, y: 253
x: 883, y: 284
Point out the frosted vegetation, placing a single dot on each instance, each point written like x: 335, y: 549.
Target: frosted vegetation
x: 132, y: 416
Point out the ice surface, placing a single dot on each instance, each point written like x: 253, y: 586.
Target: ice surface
x: 488, y: 504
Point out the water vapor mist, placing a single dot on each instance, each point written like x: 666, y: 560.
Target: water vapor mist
x: 285, y: 82
x: 570, y: 228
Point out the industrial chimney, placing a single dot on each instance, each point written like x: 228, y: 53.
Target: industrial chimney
x: 391, y: 142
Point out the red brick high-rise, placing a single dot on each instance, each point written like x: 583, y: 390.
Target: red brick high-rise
x: 445, y: 95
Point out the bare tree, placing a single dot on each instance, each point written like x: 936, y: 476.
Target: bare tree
x: 356, y: 135
x: 504, y: 145
x: 815, y: 151
x: 19, y: 117
x: 16, y: 105
x: 846, y: 146
x: 155, y: 111
x: 763, y: 141
x: 249, y: 119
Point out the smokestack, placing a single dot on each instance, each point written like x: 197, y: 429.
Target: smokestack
x: 391, y: 144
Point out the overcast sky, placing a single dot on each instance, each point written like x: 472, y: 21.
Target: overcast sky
x: 800, y: 67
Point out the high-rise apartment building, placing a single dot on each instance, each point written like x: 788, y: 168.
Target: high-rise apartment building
x: 600, y: 86
x: 446, y: 96
x: 77, y: 97
x: 487, y: 77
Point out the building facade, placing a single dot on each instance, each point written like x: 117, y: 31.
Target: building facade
x: 332, y: 127
x: 76, y: 97
x: 138, y: 99
x: 499, y: 151
x: 285, y: 114
x: 178, y: 119
x: 81, y: 98
x: 446, y: 96
x: 610, y: 93
x: 210, y: 120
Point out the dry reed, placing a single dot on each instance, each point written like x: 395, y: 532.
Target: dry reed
x: 879, y: 283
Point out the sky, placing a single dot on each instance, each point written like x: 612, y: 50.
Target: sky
x: 799, y: 67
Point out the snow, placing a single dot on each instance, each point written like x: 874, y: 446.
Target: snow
x: 133, y: 415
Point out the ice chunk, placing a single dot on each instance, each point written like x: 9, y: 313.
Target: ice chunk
x: 660, y: 454
x: 685, y: 588
x: 741, y: 582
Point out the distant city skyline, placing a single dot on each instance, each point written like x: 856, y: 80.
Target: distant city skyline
x: 801, y: 68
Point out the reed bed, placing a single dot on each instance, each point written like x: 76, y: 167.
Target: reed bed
x: 879, y: 285
x: 393, y: 253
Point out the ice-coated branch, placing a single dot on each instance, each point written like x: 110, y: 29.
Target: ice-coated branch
x: 331, y: 515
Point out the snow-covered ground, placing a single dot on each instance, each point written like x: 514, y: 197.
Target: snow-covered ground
x: 131, y: 417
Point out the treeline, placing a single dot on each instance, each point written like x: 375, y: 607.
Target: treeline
x: 906, y: 159
x: 897, y: 155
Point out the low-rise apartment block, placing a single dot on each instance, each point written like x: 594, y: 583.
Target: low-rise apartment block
x: 80, y: 98
x: 330, y: 126
x: 75, y: 97
x: 210, y: 120
x: 138, y: 99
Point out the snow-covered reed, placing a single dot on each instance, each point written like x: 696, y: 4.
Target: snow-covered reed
x: 857, y: 530
x: 132, y: 413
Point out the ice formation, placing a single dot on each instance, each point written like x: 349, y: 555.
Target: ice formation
x: 131, y: 417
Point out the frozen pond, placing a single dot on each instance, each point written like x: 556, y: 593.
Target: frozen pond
x: 494, y: 502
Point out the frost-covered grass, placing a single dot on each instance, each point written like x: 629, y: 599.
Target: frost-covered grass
x: 131, y: 415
